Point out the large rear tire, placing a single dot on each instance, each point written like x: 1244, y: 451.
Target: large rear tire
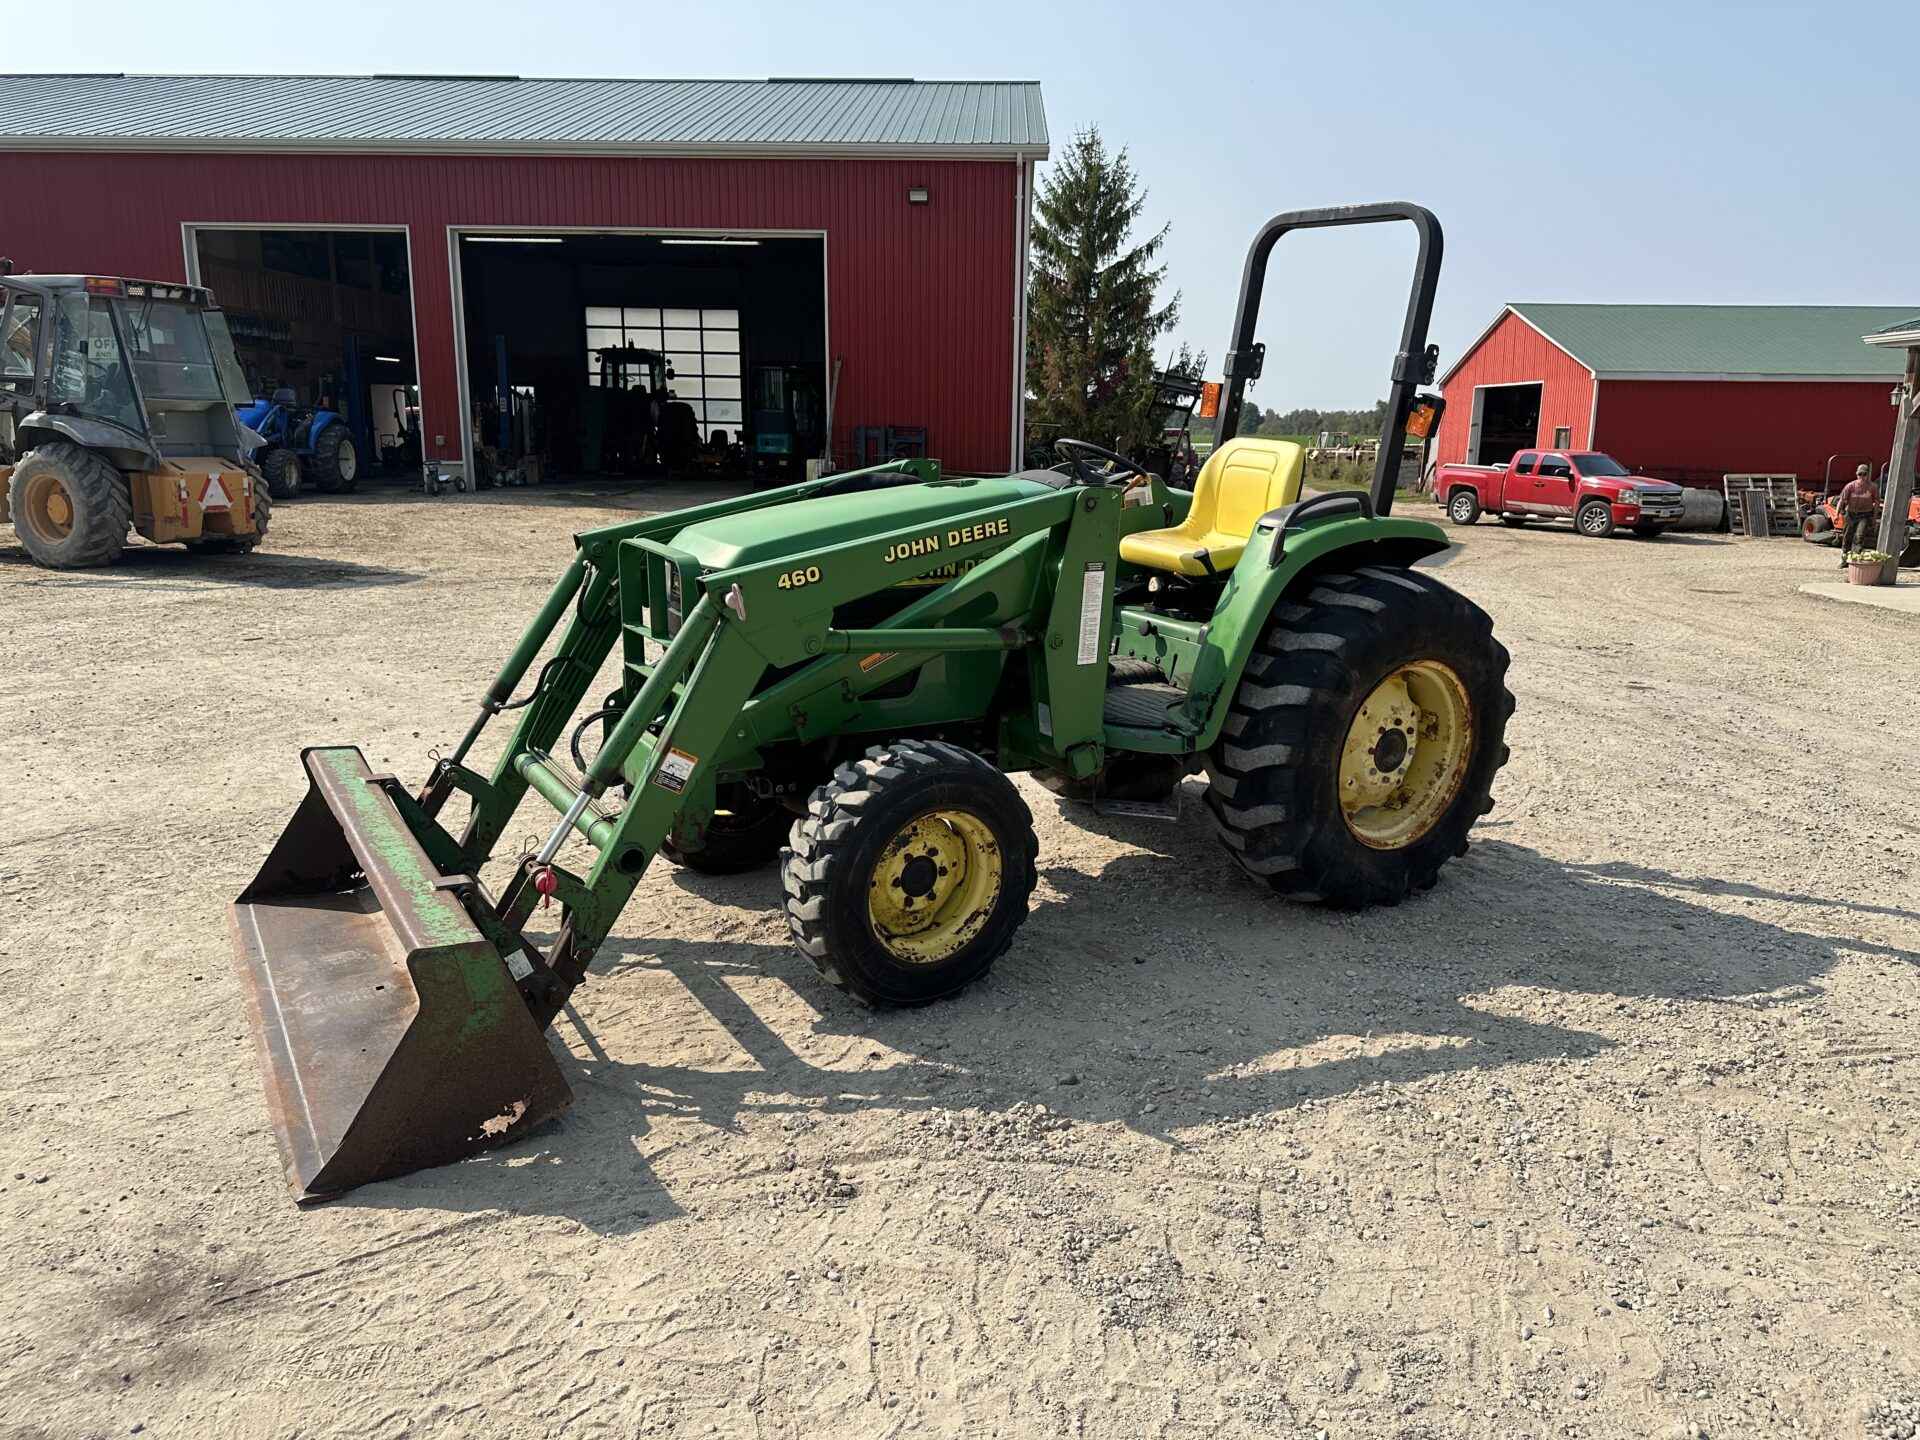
x: 336, y: 459
x: 1363, y: 739
x: 910, y: 873
x: 71, y: 509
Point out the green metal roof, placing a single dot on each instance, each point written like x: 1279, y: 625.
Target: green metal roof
x: 1704, y: 341
x: 494, y: 113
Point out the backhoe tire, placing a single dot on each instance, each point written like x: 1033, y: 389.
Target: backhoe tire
x: 1463, y: 507
x: 242, y: 544
x: 282, y: 469
x: 71, y: 509
x: 1355, y: 650
x: 737, y: 840
x: 336, y: 460
x: 917, y: 823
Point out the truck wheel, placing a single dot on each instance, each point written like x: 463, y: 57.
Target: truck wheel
x: 336, y: 460
x: 1463, y: 507
x: 746, y: 834
x: 910, y: 873
x: 1595, y: 519
x: 1363, y: 739
x: 242, y: 544
x: 71, y: 509
x: 282, y: 469
x: 1513, y: 522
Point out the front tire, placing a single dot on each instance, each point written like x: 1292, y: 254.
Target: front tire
x: 282, y: 469
x: 1362, y: 742
x: 336, y: 460
x: 910, y: 873
x: 1463, y: 507
x: 71, y: 509
x: 1595, y: 520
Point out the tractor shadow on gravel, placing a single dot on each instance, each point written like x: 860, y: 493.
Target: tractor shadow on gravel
x: 1133, y: 996
x: 166, y: 567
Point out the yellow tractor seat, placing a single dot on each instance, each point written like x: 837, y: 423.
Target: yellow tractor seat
x: 1240, y: 482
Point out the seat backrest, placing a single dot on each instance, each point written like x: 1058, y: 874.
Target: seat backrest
x: 1243, y: 480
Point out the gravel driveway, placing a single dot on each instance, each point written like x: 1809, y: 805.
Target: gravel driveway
x: 1612, y: 1134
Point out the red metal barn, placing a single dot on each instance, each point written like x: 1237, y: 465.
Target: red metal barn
x: 1685, y: 392
x: 484, y: 239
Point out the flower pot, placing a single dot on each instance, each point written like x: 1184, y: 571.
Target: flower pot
x: 1872, y: 574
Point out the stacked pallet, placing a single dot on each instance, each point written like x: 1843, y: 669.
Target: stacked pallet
x: 1763, y: 505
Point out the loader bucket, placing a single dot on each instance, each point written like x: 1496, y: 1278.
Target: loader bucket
x: 391, y: 1035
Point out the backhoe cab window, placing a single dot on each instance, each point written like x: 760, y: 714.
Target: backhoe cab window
x: 88, y: 376
x: 22, y: 331
x: 168, y: 343
x: 233, y: 380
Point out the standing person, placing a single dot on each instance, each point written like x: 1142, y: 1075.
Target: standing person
x: 1857, y: 501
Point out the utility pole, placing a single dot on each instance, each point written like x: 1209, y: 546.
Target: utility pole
x: 1906, y: 448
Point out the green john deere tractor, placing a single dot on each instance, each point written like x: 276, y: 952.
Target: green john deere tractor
x: 840, y: 674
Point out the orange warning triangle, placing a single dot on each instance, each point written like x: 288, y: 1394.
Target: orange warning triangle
x: 215, y: 497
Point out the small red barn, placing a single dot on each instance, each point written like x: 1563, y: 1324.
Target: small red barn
x: 1685, y: 392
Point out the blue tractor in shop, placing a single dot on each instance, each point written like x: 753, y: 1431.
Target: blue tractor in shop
x: 302, y: 443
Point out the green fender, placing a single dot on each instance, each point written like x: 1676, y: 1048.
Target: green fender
x: 1257, y: 585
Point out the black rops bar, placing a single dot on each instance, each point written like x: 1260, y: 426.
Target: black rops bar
x: 1412, y: 367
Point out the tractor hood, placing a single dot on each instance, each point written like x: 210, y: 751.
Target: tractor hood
x: 803, y: 527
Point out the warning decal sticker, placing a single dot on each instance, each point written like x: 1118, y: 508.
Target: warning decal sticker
x: 1093, y: 597
x: 676, y: 768
x: 214, y: 497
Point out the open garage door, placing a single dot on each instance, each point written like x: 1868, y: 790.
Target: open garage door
x: 1506, y: 420
x: 322, y: 321
x: 639, y: 355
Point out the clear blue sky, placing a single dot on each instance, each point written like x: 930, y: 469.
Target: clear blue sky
x: 1612, y: 150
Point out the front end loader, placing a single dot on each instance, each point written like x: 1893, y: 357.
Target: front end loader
x: 840, y: 675
x: 116, y: 414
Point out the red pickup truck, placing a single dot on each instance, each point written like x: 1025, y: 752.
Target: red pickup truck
x: 1595, y: 491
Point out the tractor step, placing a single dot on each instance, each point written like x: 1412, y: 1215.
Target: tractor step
x: 1168, y: 809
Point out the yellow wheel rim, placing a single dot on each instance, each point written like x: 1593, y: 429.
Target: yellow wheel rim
x: 1405, y: 755
x: 49, y: 507
x: 934, y: 887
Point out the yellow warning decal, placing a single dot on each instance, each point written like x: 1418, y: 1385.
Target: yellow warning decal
x: 675, y: 769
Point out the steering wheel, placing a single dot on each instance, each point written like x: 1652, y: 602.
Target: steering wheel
x: 1075, y: 453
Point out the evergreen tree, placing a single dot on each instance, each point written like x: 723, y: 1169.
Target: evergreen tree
x: 1092, y: 312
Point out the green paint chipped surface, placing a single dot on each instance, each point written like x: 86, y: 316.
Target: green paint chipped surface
x: 403, y: 867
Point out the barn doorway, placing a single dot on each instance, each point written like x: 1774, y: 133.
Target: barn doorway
x: 1506, y: 420
x: 322, y: 322
x: 632, y: 355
